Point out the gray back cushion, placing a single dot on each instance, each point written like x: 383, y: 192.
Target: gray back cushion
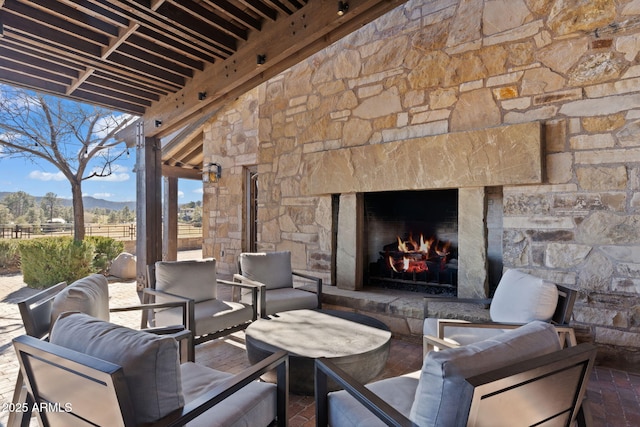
x: 88, y: 295
x: 522, y: 298
x: 149, y: 362
x: 271, y: 268
x: 443, y: 374
x: 191, y: 279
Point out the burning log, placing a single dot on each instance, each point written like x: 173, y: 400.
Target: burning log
x: 410, y: 256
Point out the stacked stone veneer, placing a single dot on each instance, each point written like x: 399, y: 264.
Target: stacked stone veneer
x: 445, y: 66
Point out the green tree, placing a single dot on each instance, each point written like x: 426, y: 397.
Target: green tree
x: 197, y: 215
x: 5, y: 215
x: 113, y: 217
x: 78, y: 139
x: 66, y: 213
x: 127, y: 215
x: 34, y: 216
x: 18, y: 203
x: 50, y: 204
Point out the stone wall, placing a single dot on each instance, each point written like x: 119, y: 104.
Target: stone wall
x: 444, y: 66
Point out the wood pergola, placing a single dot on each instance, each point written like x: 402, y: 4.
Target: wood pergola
x: 174, y: 63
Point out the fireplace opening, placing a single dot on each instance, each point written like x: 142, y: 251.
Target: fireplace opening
x: 410, y: 240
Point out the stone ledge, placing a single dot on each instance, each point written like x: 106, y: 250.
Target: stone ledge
x: 402, y: 311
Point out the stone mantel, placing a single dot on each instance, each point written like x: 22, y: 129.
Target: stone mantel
x: 506, y: 155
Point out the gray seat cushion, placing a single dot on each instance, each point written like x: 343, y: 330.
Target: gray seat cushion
x: 210, y: 316
x: 254, y: 405
x: 399, y: 392
x: 285, y: 299
x: 460, y: 335
x: 149, y: 362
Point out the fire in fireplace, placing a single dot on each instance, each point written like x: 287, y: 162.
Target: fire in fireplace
x: 411, y: 240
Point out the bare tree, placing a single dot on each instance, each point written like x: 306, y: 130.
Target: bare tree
x: 67, y: 134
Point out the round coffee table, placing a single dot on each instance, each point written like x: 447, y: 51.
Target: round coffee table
x: 357, y: 343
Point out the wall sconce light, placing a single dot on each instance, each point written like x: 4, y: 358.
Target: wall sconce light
x: 261, y: 59
x: 158, y: 123
x: 343, y: 6
x: 202, y: 96
x: 211, y: 172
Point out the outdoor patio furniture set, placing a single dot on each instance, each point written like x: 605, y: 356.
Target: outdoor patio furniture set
x: 83, y: 369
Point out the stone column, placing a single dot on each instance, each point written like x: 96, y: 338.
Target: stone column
x: 472, y: 243
x: 349, y: 254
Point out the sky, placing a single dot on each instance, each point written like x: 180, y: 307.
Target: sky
x: 37, y: 179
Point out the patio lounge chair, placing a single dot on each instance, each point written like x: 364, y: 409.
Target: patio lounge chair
x: 88, y: 295
x: 271, y: 272
x: 194, y: 282
x: 518, y: 299
x: 96, y: 373
x: 519, y: 378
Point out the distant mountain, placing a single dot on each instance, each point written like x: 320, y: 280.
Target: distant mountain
x: 89, y: 202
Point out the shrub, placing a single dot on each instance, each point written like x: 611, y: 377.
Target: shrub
x: 9, y: 255
x: 106, y: 249
x: 49, y: 260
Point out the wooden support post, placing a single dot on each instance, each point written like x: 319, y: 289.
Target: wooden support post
x: 148, y: 204
x: 170, y: 219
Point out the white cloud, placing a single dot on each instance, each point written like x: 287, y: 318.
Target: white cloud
x: 180, y: 194
x: 102, y: 195
x: 118, y: 174
x: 47, y: 176
x: 198, y: 191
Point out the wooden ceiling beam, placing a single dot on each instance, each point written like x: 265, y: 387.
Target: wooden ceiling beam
x: 37, y: 60
x: 182, y: 57
x: 190, y: 50
x: 261, y: 9
x: 99, y: 80
x: 235, y: 13
x: 285, y: 43
x: 178, y: 172
x: 181, y: 32
x: 211, y: 18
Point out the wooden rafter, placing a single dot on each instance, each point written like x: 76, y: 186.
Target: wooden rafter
x: 154, y: 58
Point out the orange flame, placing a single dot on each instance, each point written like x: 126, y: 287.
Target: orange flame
x: 419, y: 254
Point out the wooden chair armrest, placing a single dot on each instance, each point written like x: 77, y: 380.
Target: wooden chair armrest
x: 442, y: 323
x: 318, y: 281
x: 325, y: 370
x: 566, y: 334
x: 278, y: 361
x: 432, y: 341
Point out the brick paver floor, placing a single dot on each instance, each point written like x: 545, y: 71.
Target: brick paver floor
x: 614, y: 395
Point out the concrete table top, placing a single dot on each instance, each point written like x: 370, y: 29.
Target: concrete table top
x: 357, y: 343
